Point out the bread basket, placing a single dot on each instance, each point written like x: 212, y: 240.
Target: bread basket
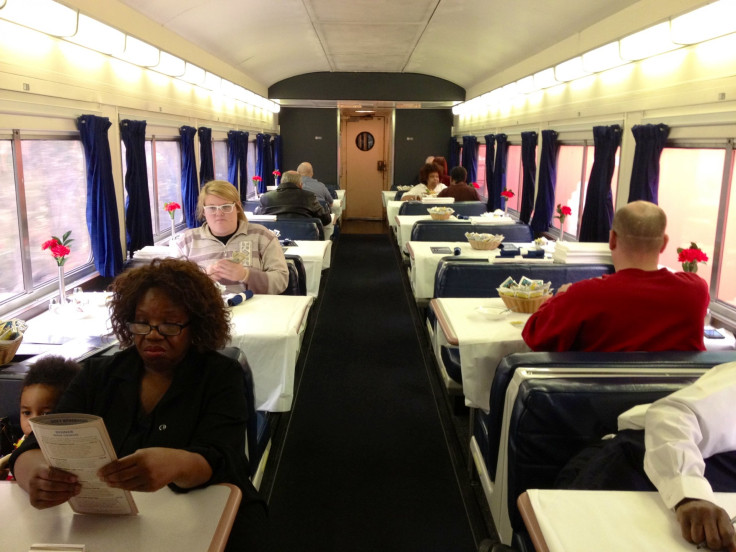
x: 440, y: 213
x: 8, y: 348
x: 484, y: 242
x: 523, y: 304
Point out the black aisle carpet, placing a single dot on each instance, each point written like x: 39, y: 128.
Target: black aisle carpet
x: 365, y: 465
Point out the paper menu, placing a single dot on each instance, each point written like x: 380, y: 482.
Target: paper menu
x: 80, y: 444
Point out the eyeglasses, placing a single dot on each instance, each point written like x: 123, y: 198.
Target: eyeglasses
x: 212, y: 209
x: 168, y: 329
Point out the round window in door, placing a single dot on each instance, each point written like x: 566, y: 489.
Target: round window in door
x: 364, y: 141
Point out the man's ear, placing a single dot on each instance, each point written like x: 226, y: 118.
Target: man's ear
x: 665, y: 241
x: 612, y: 240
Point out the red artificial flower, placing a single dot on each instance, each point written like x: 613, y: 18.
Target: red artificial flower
x: 171, y: 206
x: 257, y: 179
x: 565, y: 210
x: 476, y: 185
x: 49, y: 243
x: 692, y: 255
x: 59, y: 251
x: 508, y: 194
x: 277, y: 173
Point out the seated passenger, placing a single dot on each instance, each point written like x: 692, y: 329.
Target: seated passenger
x: 42, y: 386
x: 170, y: 320
x: 638, y: 308
x: 458, y: 188
x: 681, y: 431
x: 289, y: 200
x: 429, y: 176
x: 238, y: 254
x: 311, y: 184
x: 441, y: 162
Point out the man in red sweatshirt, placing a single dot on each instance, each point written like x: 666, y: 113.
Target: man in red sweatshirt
x: 639, y: 308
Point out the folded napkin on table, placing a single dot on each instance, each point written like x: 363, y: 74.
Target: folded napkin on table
x: 534, y: 254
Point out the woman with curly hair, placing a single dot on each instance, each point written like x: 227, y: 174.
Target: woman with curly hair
x: 174, y: 407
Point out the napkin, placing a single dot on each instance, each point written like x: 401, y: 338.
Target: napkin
x: 534, y: 254
x: 509, y: 250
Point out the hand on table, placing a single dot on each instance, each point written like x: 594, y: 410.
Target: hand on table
x: 563, y: 288
x: 226, y: 271
x: 703, y: 521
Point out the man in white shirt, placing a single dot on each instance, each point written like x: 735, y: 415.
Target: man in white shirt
x: 681, y: 430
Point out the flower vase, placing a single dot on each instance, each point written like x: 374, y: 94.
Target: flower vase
x: 62, y: 287
x: 562, y: 233
x: 173, y: 231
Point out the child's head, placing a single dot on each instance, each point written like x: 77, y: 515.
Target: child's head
x: 43, y: 385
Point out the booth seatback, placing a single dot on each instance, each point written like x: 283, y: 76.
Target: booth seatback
x: 467, y: 208
x: 309, y: 229
x: 441, y: 230
x: 297, y: 276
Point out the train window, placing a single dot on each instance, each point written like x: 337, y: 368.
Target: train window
x: 219, y: 148
x: 514, y: 176
x: 11, y: 265
x: 727, y: 281
x: 251, y: 164
x: 689, y: 192
x: 571, y: 173
x: 480, y: 177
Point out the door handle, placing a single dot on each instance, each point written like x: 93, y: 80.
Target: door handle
x: 381, y: 166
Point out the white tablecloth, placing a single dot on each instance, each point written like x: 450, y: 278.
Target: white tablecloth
x: 611, y: 521
x: 337, y: 208
x: 483, y: 340
x: 405, y: 223
x: 267, y: 328
x: 387, y: 195
x: 343, y: 200
x: 424, y: 262
x: 316, y: 257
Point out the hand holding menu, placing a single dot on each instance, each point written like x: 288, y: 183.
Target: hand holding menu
x: 80, y: 444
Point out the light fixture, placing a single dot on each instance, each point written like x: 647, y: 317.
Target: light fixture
x: 545, y: 79
x: 170, y: 65
x: 570, y: 70
x: 98, y: 36
x: 46, y: 16
x: 275, y: 107
x: 139, y: 53
x: 708, y: 22
x: 510, y: 91
x: 647, y: 43
x: 193, y: 74
x: 212, y: 82
x: 525, y: 85
x: 603, y: 58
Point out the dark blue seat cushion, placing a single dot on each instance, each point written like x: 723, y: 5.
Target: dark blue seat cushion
x: 467, y: 208
x: 479, y: 278
x: 309, y: 229
x: 451, y: 360
x: 440, y: 230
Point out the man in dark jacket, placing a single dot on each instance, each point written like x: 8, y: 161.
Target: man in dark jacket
x: 290, y: 201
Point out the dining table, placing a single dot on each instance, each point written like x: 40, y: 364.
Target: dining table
x: 267, y: 328
x: 196, y: 521
x: 606, y: 521
x: 425, y: 256
x: 316, y: 257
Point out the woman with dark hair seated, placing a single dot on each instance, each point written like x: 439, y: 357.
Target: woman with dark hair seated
x: 175, y: 408
x: 429, y: 176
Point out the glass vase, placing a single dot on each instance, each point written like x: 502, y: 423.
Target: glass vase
x: 62, y: 287
x: 562, y: 233
x: 173, y: 231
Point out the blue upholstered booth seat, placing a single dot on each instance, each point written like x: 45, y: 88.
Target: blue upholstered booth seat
x: 309, y: 229
x: 11, y: 382
x: 467, y: 208
x: 440, y: 230
x: 553, y: 419
x: 251, y: 205
x: 490, y: 424
x: 297, y: 284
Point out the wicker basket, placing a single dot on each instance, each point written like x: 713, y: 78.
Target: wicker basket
x: 484, y: 245
x: 440, y: 213
x: 440, y: 216
x: 8, y: 349
x: 522, y: 304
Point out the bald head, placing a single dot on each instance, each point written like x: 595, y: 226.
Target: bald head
x: 638, y: 233
x: 305, y: 169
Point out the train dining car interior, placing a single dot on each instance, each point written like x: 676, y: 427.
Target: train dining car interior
x: 388, y: 409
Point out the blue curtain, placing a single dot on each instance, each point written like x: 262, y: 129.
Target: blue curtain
x: 495, y: 201
x: 102, y: 211
x: 470, y: 157
x: 650, y: 141
x: 490, y: 143
x: 189, y: 185
x: 545, y: 204
x: 138, y: 224
x: 232, y: 159
x: 237, y: 156
x: 598, y: 210
x: 263, y: 153
x: 206, y: 160
x: 453, y: 156
x: 529, y: 170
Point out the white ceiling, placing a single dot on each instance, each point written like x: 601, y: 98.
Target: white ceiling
x: 462, y: 41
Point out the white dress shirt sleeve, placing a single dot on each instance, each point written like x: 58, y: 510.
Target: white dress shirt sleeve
x: 684, y: 428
